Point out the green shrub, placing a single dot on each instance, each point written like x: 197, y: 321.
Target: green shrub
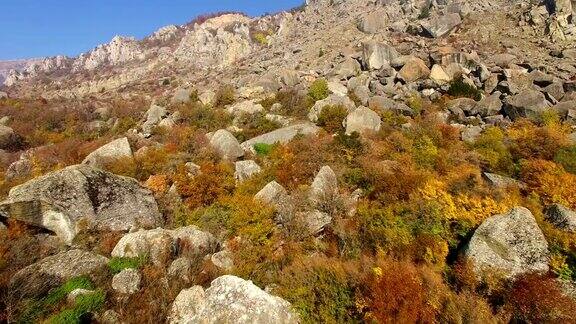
x: 319, y: 90
x: 331, y: 118
x: 36, y: 309
x: 459, y: 88
x: 117, y: 264
x: 263, y: 148
x: 85, y: 304
x: 567, y: 158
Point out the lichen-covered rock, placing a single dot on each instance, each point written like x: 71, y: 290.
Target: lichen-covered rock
x: 81, y: 197
x: 363, y: 120
x: 181, y: 96
x: 325, y: 186
x: 246, y: 169
x: 226, y: 145
x: 561, y: 217
x: 223, y: 260
x: 127, y: 281
x: 314, y: 221
x: 377, y: 55
x: 500, y: 181
x: 510, y: 244
x: 275, y: 195
x: 162, y: 245
x: 528, y: 104
x: 154, y: 116
x: 110, y: 152
x: 37, y: 279
x: 282, y: 135
x: 230, y: 300
x: 440, y: 26
x: 414, y: 69
x: 438, y: 75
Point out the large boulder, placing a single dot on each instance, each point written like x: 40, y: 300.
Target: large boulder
x: 414, y: 69
x: 561, y: 217
x: 363, y: 120
x: 373, y: 22
x: 162, y: 245
x: 528, y: 104
x: 226, y: 145
x: 380, y: 103
x: 39, y: 278
x: 80, y: 198
x: 347, y: 69
x: 246, y: 169
x: 282, y: 135
x: 509, y: 244
x: 377, y: 55
x: 325, y: 186
x: 275, y: 195
x: 440, y: 26
x: 154, y: 116
x: 127, y: 281
x: 332, y: 100
x: 114, y: 150
x: 230, y: 300
x: 248, y: 107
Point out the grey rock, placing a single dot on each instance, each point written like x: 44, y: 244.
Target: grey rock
x: 289, y: 78
x: 37, y: 279
x: 246, y: 169
x: 488, y: 106
x: 500, y: 181
x: 561, y: 217
x: 180, y: 269
x: 181, y: 96
x: 249, y: 107
x: 275, y: 195
x: 414, y: 69
x: 230, y: 300
x: 154, y: 116
x: 226, y: 145
x: 529, y: 104
x: 223, y: 260
x: 325, y: 186
x: 127, y: 281
x: 282, y: 135
x: 19, y: 169
x: 115, y: 150
x: 347, y: 69
x: 380, y: 103
x: 440, y: 26
x: 207, y: 97
x: 373, y: 22
x: 377, y: 55
x: 471, y: 133
x: 80, y: 198
x: 314, y: 221
x: 161, y: 245
x: 362, y: 120
x: 511, y: 244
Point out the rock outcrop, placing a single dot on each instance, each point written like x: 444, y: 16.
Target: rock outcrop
x: 115, y: 150
x: 79, y: 198
x: 561, y: 217
x: 230, y: 300
x: 509, y: 244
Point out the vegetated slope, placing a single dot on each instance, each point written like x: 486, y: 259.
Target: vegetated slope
x: 357, y: 161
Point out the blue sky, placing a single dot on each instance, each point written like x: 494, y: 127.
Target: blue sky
x: 37, y: 28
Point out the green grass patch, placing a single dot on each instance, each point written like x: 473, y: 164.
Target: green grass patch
x: 263, y: 148
x: 319, y: 90
x: 85, y: 304
x: 36, y: 309
x: 117, y: 264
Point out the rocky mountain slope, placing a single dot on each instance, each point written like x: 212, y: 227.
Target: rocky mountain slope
x: 348, y: 161
x: 14, y: 65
